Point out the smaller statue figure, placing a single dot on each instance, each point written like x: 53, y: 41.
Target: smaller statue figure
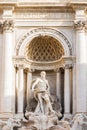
x: 40, y: 88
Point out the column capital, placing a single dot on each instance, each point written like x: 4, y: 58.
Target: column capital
x: 20, y: 66
x: 57, y: 70
x: 29, y: 70
x: 8, y: 25
x: 80, y: 25
x: 68, y: 66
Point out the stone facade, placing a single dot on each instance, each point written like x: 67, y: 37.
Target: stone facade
x: 50, y: 36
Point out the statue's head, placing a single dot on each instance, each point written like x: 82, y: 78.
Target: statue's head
x: 43, y: 73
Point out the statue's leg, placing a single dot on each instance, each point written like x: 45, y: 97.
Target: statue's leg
x: 48, y: 104
x: 40, y: 100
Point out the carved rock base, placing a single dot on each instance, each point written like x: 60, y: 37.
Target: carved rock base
x: 44, y: 122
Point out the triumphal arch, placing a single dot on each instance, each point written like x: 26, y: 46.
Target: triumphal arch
x: 49, y: 37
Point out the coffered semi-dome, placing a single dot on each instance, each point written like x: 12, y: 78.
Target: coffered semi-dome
x: 44, y: 48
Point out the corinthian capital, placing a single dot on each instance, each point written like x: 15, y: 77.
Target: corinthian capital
x: 8, y: 25
x: 80, y: 25
x: 68, y: 66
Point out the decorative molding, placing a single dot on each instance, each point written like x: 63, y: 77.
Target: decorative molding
x: 33, y: 65
x: 43, y: 30
x: 80, y: 25
x: 68, y: 66
x: 68, y: 62
x: 8, y: 25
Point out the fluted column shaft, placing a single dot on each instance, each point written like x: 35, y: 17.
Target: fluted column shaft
x: 8, y: 105
x: 29, y: 81
x: 20, y: 90
x: 81, y: 67
x: 58, y: 84
x: 66, y: 90
x: 1, y: 58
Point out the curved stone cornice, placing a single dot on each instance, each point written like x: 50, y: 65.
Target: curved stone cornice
x: 80, y: 25
x: 8, y: 25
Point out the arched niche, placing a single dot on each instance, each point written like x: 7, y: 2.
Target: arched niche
x: 27, y: 38
x: 44, y: 49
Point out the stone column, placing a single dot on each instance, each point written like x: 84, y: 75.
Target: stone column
x: 16, y: 88
x: 58, y: 84
x: 66, y: 90
x: 1, y: 58
x: 74, y: 89
x: 81, y: 67
x: 29, y: 80
x: 8, y: 89
x: 20, y: 95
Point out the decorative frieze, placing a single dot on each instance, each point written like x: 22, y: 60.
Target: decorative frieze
x: 29, y: 14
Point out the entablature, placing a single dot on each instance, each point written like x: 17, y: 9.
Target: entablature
x: 38, y: 65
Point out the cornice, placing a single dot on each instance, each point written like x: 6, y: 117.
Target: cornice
x: 46, y: 9
x: 37, y: 7
x: 67, y: 5
x: 79, y: 5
